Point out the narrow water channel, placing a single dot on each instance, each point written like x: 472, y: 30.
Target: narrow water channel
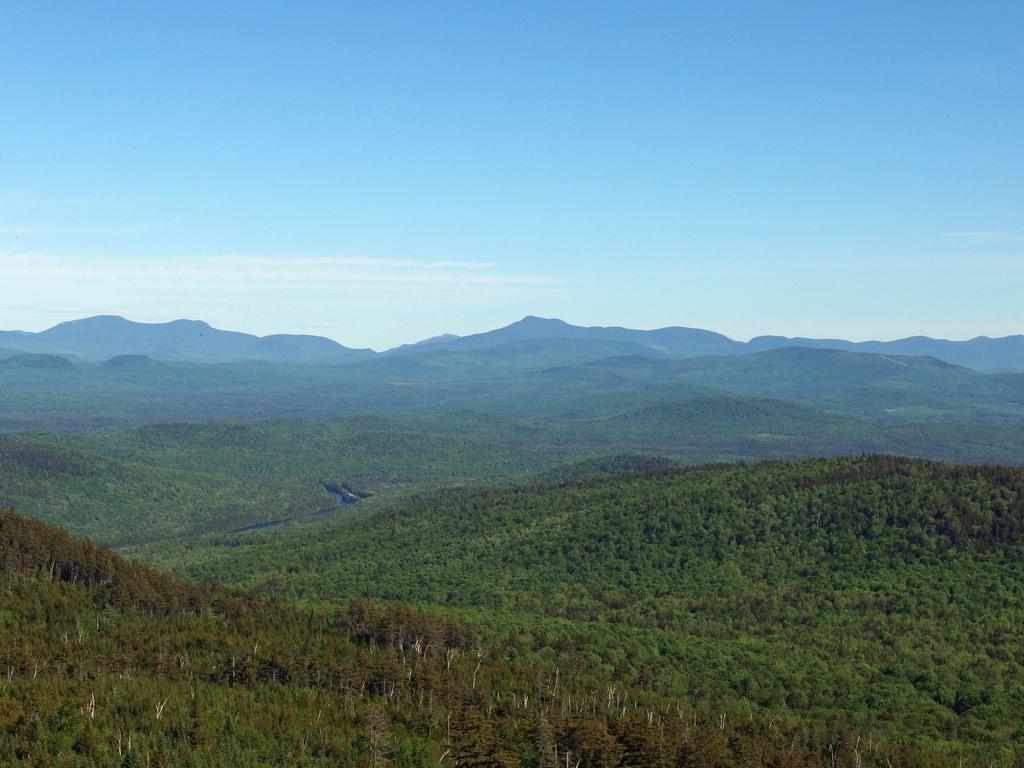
x: 342, y: 496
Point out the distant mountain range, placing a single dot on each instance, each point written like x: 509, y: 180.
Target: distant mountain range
x: 107, y: 336
x: 981, y: 353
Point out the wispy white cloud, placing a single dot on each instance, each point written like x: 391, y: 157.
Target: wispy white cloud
x: 994, y: 235
x: 259, y: 293
x: 364, y: 261
x: 234, y: 272
x: 28, y: 230
x: 23, y: 231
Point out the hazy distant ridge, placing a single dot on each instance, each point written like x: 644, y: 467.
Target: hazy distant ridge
x: 106, y: 336
x: 981, y: 353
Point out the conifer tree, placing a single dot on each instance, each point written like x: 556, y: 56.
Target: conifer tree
x: 544, y: 742
x: 475, y: 742
x: 377, y: 734
x: 87, y: 743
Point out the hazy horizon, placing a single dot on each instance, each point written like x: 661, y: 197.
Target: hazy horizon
x: 724, y: 465
x: 347, y: 343
x: 389, y: 174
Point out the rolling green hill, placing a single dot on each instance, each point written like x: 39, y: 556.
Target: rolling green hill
x: 38, y: 362
x: 120, y: 502
x: 885, y: 591
x: 107, y: 663
x: 163, y: 481
x: 876, y: 387
x: 178, y: 480
x: 532, y: 378
x: 539, y: 491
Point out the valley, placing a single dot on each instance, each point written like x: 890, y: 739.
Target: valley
x: 512, y: 385
x: 830, y: 539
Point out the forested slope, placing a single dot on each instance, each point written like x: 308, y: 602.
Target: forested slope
x: 120, y: 502
x: 107, y: 663
x: 154, y: 482
x: 553, y: 379
x: 886, y: 591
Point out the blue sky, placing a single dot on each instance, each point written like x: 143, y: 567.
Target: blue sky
x: 384, y: 172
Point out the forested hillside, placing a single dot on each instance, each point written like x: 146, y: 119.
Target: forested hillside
x: 119, y: 502
x: 300, y: 467
x: 107, y: 663
x: 552, y: 379
x: 173, y: 480
x: 544, y: 494
x: 886, y: 592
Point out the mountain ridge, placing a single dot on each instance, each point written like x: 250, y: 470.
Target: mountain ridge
x: 982, y: 353
x: 105, y: 336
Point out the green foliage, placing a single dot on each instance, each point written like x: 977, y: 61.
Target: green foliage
x: 121, y: 502
x: 110, y: 664
x: 889, y: 592
x: 164, y: 481
x: 833, y: 611
x: 564, y: 380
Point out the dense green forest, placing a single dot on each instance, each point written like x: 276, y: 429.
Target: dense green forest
x: 120, y: 502
x: 107, y: 663
x: 597, y: 519
x: 121, y: 486
x: 180, y: 480
x: 549, y: 379
x: 302, y: 467
x: 886, y: 591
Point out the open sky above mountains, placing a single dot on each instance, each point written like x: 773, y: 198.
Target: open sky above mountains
x: 381, y: 174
